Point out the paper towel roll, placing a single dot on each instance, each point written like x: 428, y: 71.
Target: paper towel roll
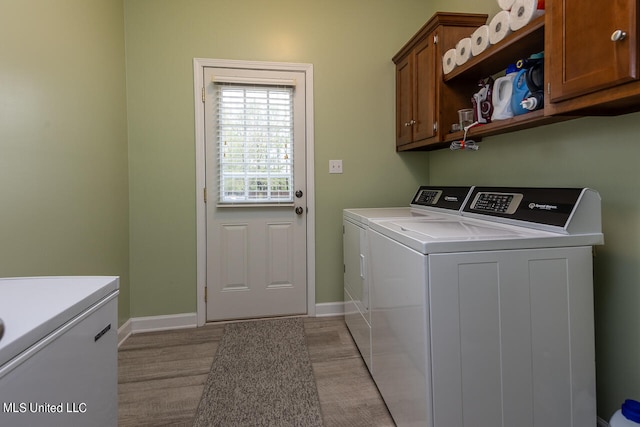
x: 505, y: 4
x: 499, y: 27
x: 463, y: 51
x: 449, y: 61
x: 480, y: 40
x: 501, y: 97
x: 522, y: 12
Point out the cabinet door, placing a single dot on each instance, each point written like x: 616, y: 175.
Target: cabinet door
x: 404, y: 100
x: 425, y: 90
x: 583, y: 58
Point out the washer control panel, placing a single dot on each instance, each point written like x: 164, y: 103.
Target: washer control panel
x: 496, y: 202
x: 450, y: 198
x: 547, y: 206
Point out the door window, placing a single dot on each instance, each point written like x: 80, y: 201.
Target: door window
x: 254, y: 129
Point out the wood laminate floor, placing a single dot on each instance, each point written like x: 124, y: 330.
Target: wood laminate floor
x: 161, y: 376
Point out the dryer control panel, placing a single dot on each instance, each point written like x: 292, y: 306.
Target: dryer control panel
x: 451, y: 198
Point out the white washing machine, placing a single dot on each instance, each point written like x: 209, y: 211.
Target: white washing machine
x: 430, y: 203
x: 486, y: 319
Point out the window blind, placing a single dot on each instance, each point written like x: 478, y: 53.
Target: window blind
x: 255, y: 143
x: 253, y: 80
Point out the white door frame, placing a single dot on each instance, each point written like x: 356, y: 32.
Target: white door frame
x: 201, y: 211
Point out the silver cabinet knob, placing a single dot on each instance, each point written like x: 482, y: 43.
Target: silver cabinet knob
x: 618, y: 35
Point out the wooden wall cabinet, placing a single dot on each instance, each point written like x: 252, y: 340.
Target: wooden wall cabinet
x: 592, y: 67
x: 415, y: 86
x: 493, y: 61
x: 425, y: 107
x: 591, y: 51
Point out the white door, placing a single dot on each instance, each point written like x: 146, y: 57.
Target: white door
x: 256, y: 193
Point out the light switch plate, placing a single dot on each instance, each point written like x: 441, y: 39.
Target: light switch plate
x: 335, y: 166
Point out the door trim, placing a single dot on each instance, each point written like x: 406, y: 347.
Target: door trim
x: 201, y: 220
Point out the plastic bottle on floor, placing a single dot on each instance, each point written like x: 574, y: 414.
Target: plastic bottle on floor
x: 627, y: 416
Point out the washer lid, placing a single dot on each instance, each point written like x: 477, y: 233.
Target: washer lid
x: 429, y: 202
x: 33, y: 307
x: 364, y: 215
x: 458, y: 229
x: 469, y: 235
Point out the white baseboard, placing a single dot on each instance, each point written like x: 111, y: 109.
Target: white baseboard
x: 326, y: 309
x: 124, y: 332
x: 163, y: 323
x: 137, y: 325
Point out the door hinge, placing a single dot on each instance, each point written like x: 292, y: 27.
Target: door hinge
x: 435, y: 39
x: 549, y: 88
x: 204, y: 192
x: 435, y: 127
x: 205, y: 294
x: 203, y: 94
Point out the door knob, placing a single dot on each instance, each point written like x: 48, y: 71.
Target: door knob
x: 299, y: 210
x: 618, y: 35
x: 298, y: 194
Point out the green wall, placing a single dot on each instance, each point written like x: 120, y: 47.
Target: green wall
x: 349, y: 43
x: 601, y: 153
x: 63, y: 142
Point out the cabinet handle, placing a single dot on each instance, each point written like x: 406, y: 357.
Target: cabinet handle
x: 412, y: 122
x: 618, y: 35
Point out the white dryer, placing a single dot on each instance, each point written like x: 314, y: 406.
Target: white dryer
x: 486, y: 319
x: 429, y: 203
